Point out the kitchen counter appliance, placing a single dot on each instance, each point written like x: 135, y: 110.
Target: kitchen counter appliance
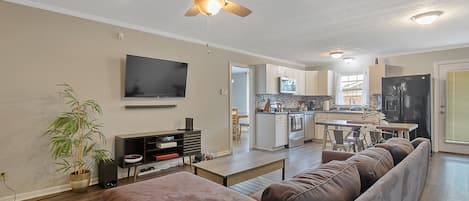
x: 287, y: 85
x: 296, y: 130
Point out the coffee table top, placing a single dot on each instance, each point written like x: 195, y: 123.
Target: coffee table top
x: 233, y: 164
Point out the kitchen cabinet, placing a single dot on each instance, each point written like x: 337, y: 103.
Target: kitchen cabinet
x: 271, y: 131
x: 300, y: 77
x: 319, y: 83
x: 309, y: 126
x: 281, y: 130
x: 377, y: 72
x: 319, y: 129
x: 267, y: 78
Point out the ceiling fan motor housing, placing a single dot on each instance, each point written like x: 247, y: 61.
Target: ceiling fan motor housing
x: 209, y: 7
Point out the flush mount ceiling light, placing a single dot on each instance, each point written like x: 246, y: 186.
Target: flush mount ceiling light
x: 336, y: 54
x: 426, y: 18
x: 348, y: 60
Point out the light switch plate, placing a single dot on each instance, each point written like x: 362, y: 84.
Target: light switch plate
x: 224, y: 92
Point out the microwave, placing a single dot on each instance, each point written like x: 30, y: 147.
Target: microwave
x: 287, y: 86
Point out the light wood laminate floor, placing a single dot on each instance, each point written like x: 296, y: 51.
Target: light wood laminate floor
x: 448, y: 178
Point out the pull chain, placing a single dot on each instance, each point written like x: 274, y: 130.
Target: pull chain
x: 208, y: 34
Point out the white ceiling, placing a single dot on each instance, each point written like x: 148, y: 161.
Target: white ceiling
x: 301, y: 31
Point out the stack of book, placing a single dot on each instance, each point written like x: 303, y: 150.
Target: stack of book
x: 164, y: 145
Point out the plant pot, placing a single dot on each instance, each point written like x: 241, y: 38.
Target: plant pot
x: 80, y: 182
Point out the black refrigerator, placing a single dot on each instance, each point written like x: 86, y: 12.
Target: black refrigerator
x: 407, y: 99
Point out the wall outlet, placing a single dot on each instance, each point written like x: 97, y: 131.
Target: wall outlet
x: 3, y: 176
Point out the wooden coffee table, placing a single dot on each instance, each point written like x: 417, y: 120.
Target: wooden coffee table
x: 230, y: 170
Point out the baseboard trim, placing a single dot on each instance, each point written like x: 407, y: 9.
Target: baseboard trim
x: 43, y: 192
x: 223, y: 153
x: 94, y: 181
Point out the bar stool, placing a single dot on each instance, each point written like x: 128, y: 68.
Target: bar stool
x: 340, y: 144
x: 359, y: 145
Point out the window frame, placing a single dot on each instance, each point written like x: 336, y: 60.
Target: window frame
x: 339, y: 97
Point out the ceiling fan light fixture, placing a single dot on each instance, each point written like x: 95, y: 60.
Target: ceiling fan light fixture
x: 336, y: 54
x: 426, y: 18
x: 210, y: 7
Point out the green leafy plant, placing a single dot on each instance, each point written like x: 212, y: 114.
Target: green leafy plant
x: 74, y: 135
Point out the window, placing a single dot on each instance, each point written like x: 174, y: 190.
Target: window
x: 351, y: 89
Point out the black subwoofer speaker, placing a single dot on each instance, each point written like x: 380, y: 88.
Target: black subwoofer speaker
x: 107, y: 173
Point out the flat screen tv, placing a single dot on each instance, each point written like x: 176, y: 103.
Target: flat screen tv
x: 154, y: 78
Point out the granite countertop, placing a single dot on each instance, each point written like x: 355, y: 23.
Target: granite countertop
x: 317, y: 111
x: 271, y: 112
x: 341, y: 112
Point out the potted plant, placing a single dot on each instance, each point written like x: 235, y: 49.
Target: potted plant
x: 73, y: 139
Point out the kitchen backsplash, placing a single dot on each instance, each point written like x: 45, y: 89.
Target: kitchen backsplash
x: 291, y: 101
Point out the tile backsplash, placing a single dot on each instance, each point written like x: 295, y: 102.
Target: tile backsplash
x: 291, y: 101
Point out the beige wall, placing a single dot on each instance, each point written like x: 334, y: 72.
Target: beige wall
x: 40, y: 49
x: 422, y: 63
x: 417, y: 63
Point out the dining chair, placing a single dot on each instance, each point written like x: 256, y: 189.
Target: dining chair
x: 376, y: 137
x: 241, y: 125
x: 235, y: 125
x: 339, y: 143
x: 355, y: 138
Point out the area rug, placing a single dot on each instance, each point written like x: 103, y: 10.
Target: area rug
x: 251, y: 186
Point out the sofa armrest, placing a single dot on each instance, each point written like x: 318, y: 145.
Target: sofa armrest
x: 328, y: 156
x: 417, y: 141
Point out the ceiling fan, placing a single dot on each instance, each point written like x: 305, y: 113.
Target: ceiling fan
x: 212, y: 7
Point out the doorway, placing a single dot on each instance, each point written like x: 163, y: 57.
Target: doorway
x: 452, y: 106
x: 241, y: 107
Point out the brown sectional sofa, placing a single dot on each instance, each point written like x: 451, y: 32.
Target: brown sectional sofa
x: 370, y: 175
x: 380, y: 178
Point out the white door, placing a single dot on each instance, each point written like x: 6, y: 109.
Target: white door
x: 452, y: 106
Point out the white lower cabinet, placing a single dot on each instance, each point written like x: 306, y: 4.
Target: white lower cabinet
x: 271, y: 131
x: 309, y: 126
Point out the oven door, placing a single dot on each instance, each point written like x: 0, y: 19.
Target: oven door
x: 296, y: 123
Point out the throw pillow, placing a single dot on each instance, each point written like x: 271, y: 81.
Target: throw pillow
x: 372, y: 164
x: 333, y: 181
x: 398, y: 147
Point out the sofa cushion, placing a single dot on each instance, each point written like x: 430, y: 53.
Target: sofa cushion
x: 372, y: 164
x: 333, y: 181
x: 401, y: 141
x: 398, y: 147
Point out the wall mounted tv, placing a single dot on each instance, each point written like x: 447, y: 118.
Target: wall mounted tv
x: 154, y: 78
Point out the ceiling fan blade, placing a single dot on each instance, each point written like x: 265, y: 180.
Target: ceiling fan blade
x: 193, y: 11
x: 236, y: 9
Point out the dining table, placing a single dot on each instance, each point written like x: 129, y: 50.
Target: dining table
x: 403, y: 129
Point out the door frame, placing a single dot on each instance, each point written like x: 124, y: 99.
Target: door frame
x: 439, y: 130
x: 252, y: 103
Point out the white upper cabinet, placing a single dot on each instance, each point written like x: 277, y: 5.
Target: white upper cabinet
x: 300, y: 77
x: 377, y: 72
x: 267, y: 78
x: 319, y: 83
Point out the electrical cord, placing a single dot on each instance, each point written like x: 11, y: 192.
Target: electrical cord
x: 9, y: 188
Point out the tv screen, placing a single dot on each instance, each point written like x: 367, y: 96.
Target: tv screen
x: 147, y: 77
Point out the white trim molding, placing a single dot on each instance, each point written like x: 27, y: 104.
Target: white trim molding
x: 44, y: 192
x: 105, y: 20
